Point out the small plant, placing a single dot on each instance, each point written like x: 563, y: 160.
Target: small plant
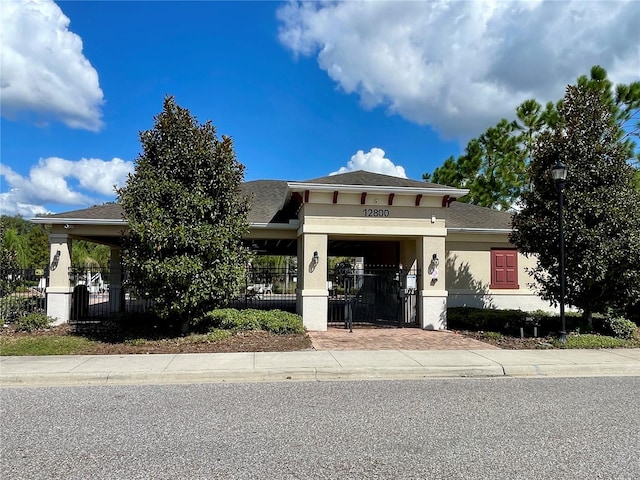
x: 493, y: 335
x: 33, y: 321
x: 214, y: 335
x: 591, y: 341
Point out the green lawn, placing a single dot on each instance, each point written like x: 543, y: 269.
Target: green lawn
x: 44, y: 345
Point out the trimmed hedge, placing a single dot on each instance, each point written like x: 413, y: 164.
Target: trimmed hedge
x: 509, y: 322
x: 274, y: 321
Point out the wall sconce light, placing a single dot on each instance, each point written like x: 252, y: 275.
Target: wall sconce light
x: 433, y: 269
x: 316, y: 258
x: 56, y: 259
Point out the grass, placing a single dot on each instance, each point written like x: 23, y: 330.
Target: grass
x: 44, y: 345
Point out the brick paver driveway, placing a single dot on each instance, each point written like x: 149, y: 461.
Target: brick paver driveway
x: 363, y: 338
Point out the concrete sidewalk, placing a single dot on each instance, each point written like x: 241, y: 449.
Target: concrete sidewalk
x: 313, y: 365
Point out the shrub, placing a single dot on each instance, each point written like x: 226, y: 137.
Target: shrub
x: 620, y: 327
x: 481, y: 319
x: 10, y: 309
x: 274, y: 321
x: 33, y: 321
x: 229, y: 319
x: 13, y: 307
x: 281, y: 323
x: 591, y: 341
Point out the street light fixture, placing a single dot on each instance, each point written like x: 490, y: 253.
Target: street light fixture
x: 559, y: 175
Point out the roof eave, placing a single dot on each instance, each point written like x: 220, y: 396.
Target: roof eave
x: 77, y: 221
x: 482, y: 231
x: 428, y: 191
x: 292, y: 225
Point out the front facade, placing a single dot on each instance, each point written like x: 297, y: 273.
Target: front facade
x: 452, y: 254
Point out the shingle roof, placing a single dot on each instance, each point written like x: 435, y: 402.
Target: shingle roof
x: 108, y: 211
x: 362, y: 177
x: 270, y: 202
x: 267, y: 198
x: 463, y: 215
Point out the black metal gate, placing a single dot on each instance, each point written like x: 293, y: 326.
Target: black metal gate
x: 372, y: 294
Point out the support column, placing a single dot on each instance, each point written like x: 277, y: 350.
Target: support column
x: 116, y: 293
x: 312, y: 278
x: 432, y: 290
x: 59, y: 290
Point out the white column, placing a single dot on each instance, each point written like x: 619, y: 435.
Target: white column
x: 59, y: 290
x: 312, y: 276
x: 432, y: 290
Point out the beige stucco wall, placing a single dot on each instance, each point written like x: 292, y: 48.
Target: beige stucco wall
x: 468, y: 268
x: 384, y: 220
x: 90, y: 232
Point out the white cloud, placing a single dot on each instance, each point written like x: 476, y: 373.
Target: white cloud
x: 93, y: 179
x: 9, y: 206
x: 44, y: 75
x: 372, y: 161
x: 461, y: 66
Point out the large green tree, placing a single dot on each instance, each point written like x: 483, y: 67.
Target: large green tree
x: 602, y: 212
x: 494, y: 166
x: 186, y: 216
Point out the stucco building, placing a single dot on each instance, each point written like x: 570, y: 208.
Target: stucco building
x: 447, y: 253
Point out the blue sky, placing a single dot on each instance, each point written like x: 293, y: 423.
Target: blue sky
x: 304, y: 89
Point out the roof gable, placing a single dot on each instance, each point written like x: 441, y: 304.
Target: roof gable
x: 364, y: 178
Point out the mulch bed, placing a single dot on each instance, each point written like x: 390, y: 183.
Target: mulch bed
x: 252, y: 341
x: 511, y: 343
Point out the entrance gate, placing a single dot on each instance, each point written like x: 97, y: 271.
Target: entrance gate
x: 373, y: 295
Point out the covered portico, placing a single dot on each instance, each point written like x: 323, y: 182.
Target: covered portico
x: 378, y: 218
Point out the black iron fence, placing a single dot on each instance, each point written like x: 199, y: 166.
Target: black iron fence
x: 98, y: 293
x: 372, y: 294
x: 22, y: 291
x: 266, y: 288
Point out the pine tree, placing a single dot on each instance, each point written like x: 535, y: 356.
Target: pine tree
x: 494, y: 165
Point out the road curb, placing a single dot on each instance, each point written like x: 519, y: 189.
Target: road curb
x: 573, y: 370
x: 311, y: 374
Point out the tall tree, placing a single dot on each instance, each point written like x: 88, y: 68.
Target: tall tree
x: 29, y: 242
x: 494, y: 165
x: 38, y: 245
x: 89, y: 254
x: 186, y: 216
x: 14, y: 242
x: 602, y: 213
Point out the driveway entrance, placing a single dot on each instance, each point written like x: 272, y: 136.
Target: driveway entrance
x: 394, y: 339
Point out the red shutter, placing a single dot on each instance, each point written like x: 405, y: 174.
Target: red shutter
x: 504, y: 268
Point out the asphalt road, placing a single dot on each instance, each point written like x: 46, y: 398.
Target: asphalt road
x: 507, y: 428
